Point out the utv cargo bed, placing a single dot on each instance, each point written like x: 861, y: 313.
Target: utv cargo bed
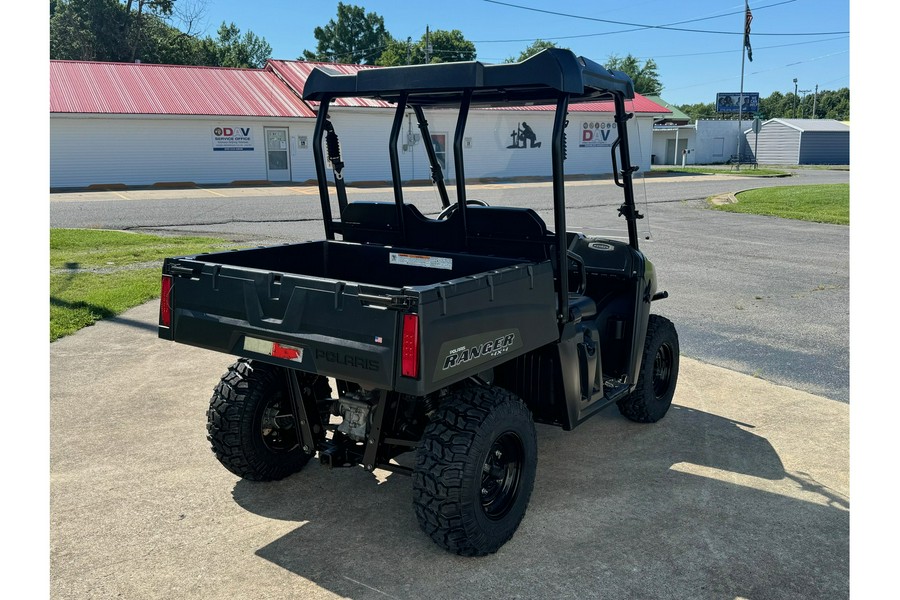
x: 336, y: 308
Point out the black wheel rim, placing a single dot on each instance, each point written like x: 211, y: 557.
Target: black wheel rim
x: 501, y: 475
x: 277, y: 425
x: 662, y: 370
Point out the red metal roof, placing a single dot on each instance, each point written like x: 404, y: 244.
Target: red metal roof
x: 129, y: 88
x: 295, y: 72
x: 640, y: 104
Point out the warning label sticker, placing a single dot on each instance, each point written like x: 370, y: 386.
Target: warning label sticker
x: 419, y: 260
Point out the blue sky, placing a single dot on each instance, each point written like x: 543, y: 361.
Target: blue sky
x: 693, y: 66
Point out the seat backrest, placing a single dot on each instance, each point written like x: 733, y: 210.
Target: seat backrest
x: 370, y: 222
x: 492, y: 230
x: 508, y: 231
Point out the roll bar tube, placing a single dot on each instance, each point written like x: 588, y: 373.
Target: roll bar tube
x: 627, y: 209
x: 437, y: 175
x: 319, y: 159
x: 395, y: 160
x: 559, y: 204
x: 458, y: 162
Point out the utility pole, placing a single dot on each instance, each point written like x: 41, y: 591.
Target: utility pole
x: 427, y: 45
x: 408, y: 50
x: 804, y: 92
x: 795, y: 97
x: 815, y: 97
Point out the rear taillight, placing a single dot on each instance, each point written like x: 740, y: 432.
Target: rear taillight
x: 165, y: 302
x: 409, y: 361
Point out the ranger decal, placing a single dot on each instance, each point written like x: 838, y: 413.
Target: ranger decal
x: 472, y: 351
x: 491, y: 348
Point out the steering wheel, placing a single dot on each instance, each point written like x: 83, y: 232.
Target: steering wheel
x: 576, y: 266
x: 445, y: 214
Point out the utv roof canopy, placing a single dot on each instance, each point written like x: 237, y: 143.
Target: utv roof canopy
x: 542, y: 78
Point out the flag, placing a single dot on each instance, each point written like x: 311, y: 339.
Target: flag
x: 748, y: 19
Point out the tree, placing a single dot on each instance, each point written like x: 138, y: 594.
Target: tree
x: 777, y: 105
x: 356, y: 37
x: 535, y: 47
x: 236, y: 51
x: 645, y: 77
x: 120, y: 31
x: 829, y: 105
x: 88, y: 30
x: 449, y: 46
x: 446, y: 46
x: 834, y: 105
x: 400, y: 52
x: 700, y: 110
x: 135, y: 19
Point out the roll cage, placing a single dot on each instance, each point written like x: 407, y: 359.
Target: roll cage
x: 551, y: 77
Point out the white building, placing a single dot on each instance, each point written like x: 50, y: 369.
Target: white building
x: 122, y: 124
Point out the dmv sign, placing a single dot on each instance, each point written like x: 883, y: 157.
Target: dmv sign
x: 597, y: 133
x: 232, y: 138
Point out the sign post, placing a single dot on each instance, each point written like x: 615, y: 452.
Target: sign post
x: 757, y: 126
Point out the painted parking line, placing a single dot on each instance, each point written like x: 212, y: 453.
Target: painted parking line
x: 212, y: 192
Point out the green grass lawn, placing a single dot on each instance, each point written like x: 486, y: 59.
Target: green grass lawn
x: 98, y: 274
x: 829, y: 203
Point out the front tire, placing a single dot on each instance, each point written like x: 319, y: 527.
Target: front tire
x: 652, y: 397
x: 250, y: 424
x: 475, y: 470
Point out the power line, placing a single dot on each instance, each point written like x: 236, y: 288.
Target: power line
x: 843, y: 37
x: 683, y: 87
x: 641, y: 26
x: 584, y: 35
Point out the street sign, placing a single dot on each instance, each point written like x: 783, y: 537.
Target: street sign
x: 757, y: 125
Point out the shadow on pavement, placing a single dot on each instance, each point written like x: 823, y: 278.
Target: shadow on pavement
x: 695, y: 506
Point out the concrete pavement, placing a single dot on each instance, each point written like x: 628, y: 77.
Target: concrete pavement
x: 742, y: 491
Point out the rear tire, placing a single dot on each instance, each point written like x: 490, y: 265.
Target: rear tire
x: 652, y: 396
x: 475, y: 470
x: 250, y: 425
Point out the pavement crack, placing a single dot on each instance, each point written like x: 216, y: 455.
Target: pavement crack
x: 226, y: 222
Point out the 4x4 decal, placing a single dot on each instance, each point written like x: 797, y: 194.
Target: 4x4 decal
x: 471, y: 351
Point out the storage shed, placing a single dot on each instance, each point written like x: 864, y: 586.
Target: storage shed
x: 801, y: 142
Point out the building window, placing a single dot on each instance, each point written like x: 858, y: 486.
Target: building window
x: 439, y: 142
x: 718, y: 146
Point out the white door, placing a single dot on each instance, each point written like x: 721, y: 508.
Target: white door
x: 278, y: 154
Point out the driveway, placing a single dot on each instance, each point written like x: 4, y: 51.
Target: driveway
x: 741, y: 491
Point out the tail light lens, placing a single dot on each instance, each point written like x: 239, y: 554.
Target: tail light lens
x: 409, y: 361
x: 165, y: 302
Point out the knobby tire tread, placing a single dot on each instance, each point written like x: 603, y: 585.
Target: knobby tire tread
x: 637, y: 405
x: 232, y: 410
x: 443, y: 459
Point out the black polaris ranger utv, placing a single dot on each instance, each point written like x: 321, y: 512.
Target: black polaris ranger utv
x: 446, y: 337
